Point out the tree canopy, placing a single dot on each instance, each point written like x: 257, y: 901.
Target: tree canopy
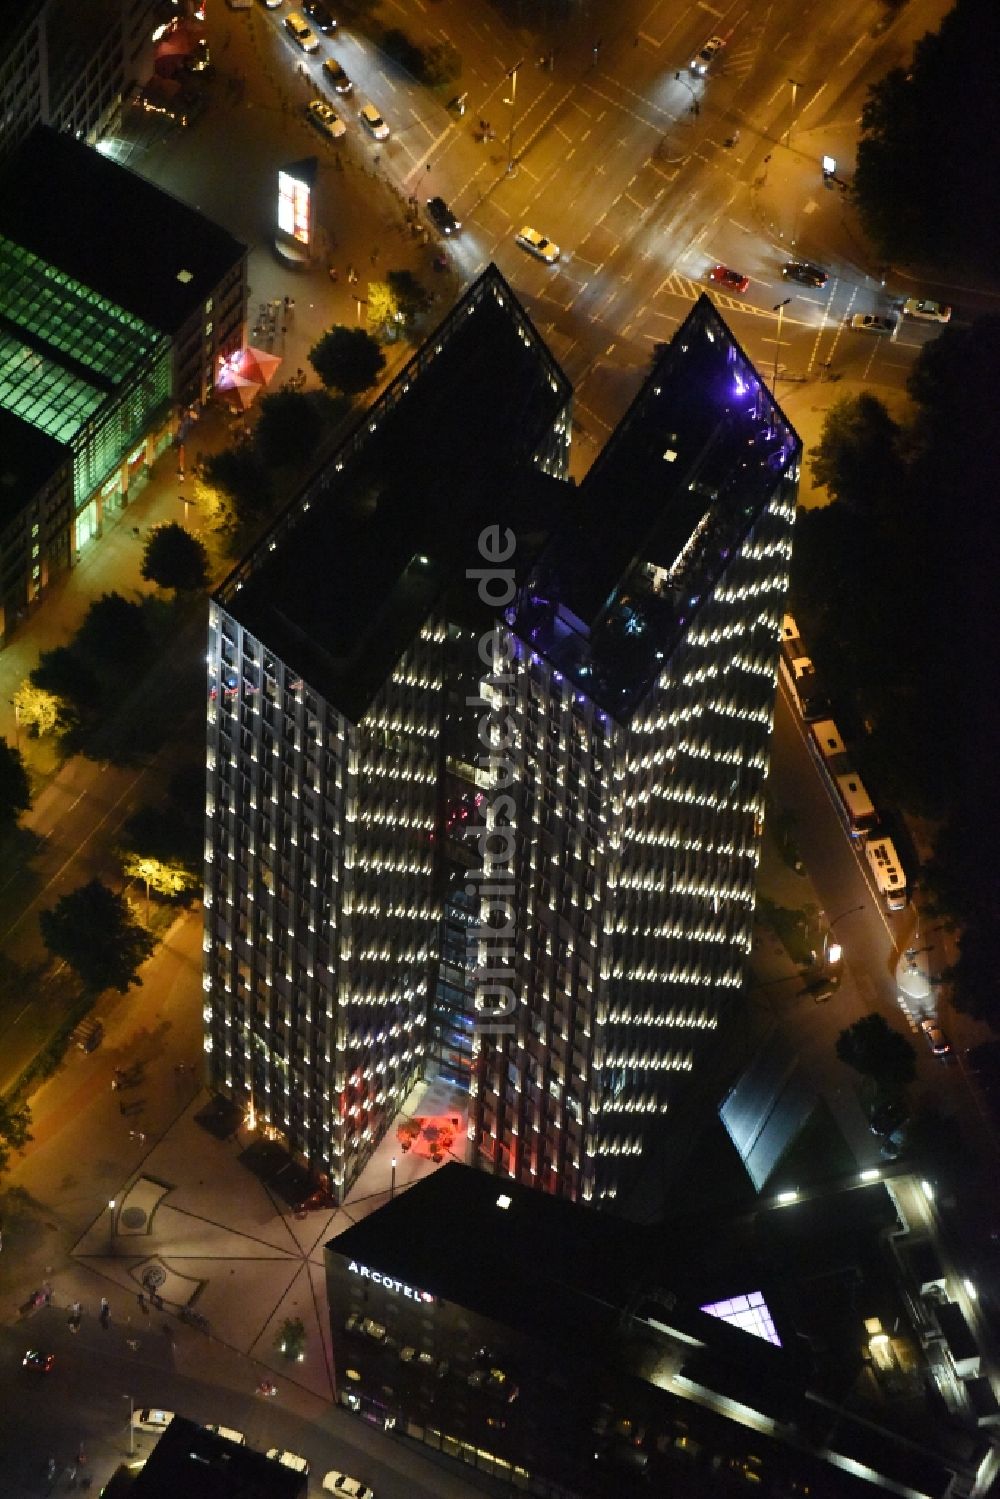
x: 15, y: 789
x: 927, y: 180
x: 289, y: 427
x: 37, y: 708
x: 895, y: 591
x: 411, y: 295
x: 92, y: 929
x: 15, y: 1125
x: 347, y: 359
x: 873, y: 1048
x: 242, y: 479
x: 174, y: 558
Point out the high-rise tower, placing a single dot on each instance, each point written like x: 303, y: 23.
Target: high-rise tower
x: 453, y: 693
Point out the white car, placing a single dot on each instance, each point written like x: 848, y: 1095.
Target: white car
x: 373, y: 122
x: 326, y: 119
x: 300, y: 32
x: 536, y: 244
x: 229, y: 1432
x: 351, y: 1488
x: 707, y: 55
x: 870, y: 322
x: 151, y: 1420
x: 288, y: 1459
x: 926, y: 310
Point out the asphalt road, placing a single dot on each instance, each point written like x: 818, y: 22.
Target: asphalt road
x: 86, y: 1400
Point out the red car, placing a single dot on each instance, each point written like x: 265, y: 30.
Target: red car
x: 730, y: 280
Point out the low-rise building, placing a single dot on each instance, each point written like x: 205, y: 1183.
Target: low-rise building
x: 106, y: 350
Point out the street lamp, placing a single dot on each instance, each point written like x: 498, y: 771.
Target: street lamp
x: 779, y: 308
x: 392, y: 1180
x: 512, y: 101
x: 796, y: 85
x: 131, y: 1424
x: 832, y: 951
x: 17, y: 723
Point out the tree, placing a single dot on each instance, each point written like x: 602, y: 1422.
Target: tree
x: 175, y: 559
x: 114, y: 634
x: 15, y: 789
x: 411, y: 296
x: 167, y: 879
x: 243, y: 481
x: 874, y: 1049
x: 858, y: 457
x: 63, y: 674
x: 383, y: 313
x: 171, y: 835
x: 93, y: 931
x: 924, y: 185
x: 289, y: 427
x: 15, y: 1126
x: 442, y: 63
x: 348, y: 359
x: 37, y: 709
x: 291, y: 1339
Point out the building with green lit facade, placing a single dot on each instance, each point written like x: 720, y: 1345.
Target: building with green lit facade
x: 105, y: 352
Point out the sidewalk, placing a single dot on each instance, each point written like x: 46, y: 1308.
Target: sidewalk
x: 781, y: 992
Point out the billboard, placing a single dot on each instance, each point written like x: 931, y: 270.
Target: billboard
x: 296, y: 184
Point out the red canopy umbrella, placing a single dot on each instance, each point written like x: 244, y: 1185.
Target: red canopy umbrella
x: 258, y: 365
x: 237, y: 389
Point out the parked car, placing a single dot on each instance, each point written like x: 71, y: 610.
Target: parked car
x: 439, y: 212
x: 703, y: 60
x: 350, y: 1488
x: 326, y: 119
x: 731, y: 280
x: 288, y: 1460
x: 336, y: 77
x: 229, y: 1432
x: 935, y: 1038
x: 319, y: 15
x: 38, y: 1362
x: 887, y: 1117
x: 927, y: 311
x: 536, y: 244
x: 804, y: 273
x: 870, y: 322
x: 373, y: 122
x: 150, y: 1419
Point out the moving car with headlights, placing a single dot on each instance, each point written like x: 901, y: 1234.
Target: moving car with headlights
x: 536, y: 244
x: 326, y: 119
x: 870, y: 322
x: 319, y: 15
x: 288, y: 1459
x: 348, y: 1488
x: 935, y: 1038
x: 373, y: 122
x: 150, y: 1419
x: 38, y: 1362
x: 705, y: 58
x: 440, y: 214
x: 804, y: 273
x: 728, y: 279
x: 300, y: 32
x: 927, y: 311
x: 336, y: 77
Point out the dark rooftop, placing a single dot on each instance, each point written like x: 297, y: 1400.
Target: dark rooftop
x: 161, y: 270
x: 358, y: 562
x: 28, y: 459
x: 194, y: 1463
x: 603, y: 1289
x: 688, y: 471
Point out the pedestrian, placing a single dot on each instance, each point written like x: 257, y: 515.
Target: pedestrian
x: 291, y: 304
x: 142, y: 1303
x: 334, y: 277
x: 51, y: 1473
x: 81, y: 1456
